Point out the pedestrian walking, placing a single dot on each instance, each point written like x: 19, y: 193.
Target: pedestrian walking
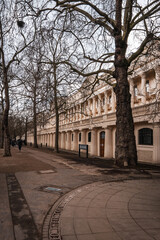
x: 19, y: 142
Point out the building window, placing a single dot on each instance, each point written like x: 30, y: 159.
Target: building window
x: 89, y: 137
x: 72, y: 137
x: 79, y: 137
x: 135, y: 91
x: 145, y: 136
x: 147, y: 86
x: 103, y: 101
x: 109, y: 99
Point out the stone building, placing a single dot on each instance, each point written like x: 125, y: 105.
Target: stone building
x: 93, y: 122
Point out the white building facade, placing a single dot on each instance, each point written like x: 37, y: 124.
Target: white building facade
x: 93, y: 122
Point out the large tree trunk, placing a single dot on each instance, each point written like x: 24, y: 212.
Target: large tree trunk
x: 126, y: 153
x: 35, y: 121
x: 2, y: 136
x: 26, y: 126
x: 57, y: 132
x: 57, y: 112
x: 7, y: 151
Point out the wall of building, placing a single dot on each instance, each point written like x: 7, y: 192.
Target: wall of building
x: 97, y: 115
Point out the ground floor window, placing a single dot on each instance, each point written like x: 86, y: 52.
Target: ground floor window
x: 72, y: 137
x: 145, y: 136
x: 79, y: 137
x: 89, y: 137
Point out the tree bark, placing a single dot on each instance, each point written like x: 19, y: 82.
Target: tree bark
x: 56, y: 110
x: 35, y: 120
x: 26, y: 126
x: 2, y: 136
x: 125, y: 153
x: 7, y: 151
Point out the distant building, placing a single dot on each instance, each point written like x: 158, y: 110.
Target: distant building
x: 93, y: 122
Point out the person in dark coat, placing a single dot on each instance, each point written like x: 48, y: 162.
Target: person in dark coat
x: 19, y: 142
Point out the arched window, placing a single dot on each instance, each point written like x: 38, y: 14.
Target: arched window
x: 145, y: 136
x: 89, y: 137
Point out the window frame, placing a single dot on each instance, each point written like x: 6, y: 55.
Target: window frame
x: 80, y: 137
x: 89, y: 136
x: 145, y: 136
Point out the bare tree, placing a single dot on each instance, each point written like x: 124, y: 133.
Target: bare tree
x: 33, y: 81
x: 60, y: 79
x: 102, y: 32
x: 13, y: 42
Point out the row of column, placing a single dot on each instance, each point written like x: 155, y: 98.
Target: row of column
x: 143, y: 89
x: 70, y: 141
x: 93, y: 107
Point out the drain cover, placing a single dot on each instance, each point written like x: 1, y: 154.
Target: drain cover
x: 52, y: 189
x: 46, y: 171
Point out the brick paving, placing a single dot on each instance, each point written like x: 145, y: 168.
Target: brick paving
x: 92, y: 202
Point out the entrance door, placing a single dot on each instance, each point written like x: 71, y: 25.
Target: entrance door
x: 102, y: 142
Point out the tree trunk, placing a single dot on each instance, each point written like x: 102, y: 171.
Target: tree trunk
x: 57, y: 112
x: 26, y: 124
x: 126, y: 153
x: 35, y: 120
x: 57, y: 133
x: 35, y: 126
x: 7, y: 151
x: 2, y: 136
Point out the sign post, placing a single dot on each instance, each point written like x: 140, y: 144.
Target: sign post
x: 83, y: 147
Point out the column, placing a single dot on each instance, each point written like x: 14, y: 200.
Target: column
x: 94, y: 107
x: 157, y: 79
x: 83, y: 136
x: 49, y: 140
x: 81, y: 111
x: 94, y: 142
x: 43, y: 139
x: 63, y: 140
x: 77, y: 113
x: 106, y: 102
x: 59, y: 140
x: 89, y: 110
x: 143, y: 87
x: 113, y: 100
x: 108, y: 150
x: 99, y: 104
x: 68, y: 141
x: 75, y: 141
x: 131, y: 85
x: 84, y: 110
x: 54, y: 140
x: 156, y: 142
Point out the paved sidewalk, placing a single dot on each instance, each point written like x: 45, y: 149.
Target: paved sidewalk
x: 45, y: 196
x: 109, y: 211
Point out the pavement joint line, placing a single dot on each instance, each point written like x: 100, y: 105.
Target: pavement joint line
x: 54, y: 213
x: 57, y: 208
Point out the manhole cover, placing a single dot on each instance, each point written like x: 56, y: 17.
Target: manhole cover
x: 46, y: 171
x: 53, y: 189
